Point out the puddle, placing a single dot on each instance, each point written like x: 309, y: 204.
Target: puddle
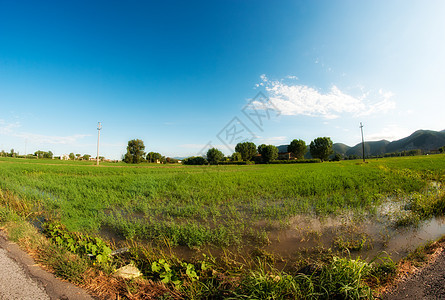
x: 308, y: 235
x: 304, y: 235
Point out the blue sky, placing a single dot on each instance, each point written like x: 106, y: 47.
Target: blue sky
x: 179, y: 74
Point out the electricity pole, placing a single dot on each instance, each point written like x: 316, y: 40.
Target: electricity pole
x: 99, y: 127
x: 363, y: 142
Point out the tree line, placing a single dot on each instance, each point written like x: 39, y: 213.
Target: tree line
x: 136, y: 154
x: 320, y: 148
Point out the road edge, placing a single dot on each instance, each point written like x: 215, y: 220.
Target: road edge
x: 54, y: 287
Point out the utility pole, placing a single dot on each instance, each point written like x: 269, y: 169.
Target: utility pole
x: 99, y: 127
x: 363, y: 142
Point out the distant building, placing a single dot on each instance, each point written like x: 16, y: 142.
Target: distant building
x: 64, y: 157
x: 286, y: 156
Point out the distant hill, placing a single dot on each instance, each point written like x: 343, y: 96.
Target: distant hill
x: 421, y: 139
x: 425, y: 140
x: 371, y: 148
x: 340, y: 148
x: 282, y: 148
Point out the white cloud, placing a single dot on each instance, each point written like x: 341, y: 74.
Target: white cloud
x: 390, y: 133
x: 296, y: 99
x: 47, y: 139
x: 272, y: 140
x: 8, y: 128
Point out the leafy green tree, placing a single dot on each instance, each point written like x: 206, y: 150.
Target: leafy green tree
x: 321, y: 148
x: 153, y: 157
x: 48, y: 154
x: 442, y: 149
x: 247, y: 150
x: 86, y: 157
x: 236, y: 156
x: 214, y: 156
x: 72, y: 156
x: 337, y: 157
x: 195, y: 160
x: 268, y: 152
x: 261, y: 148
x: 78, y: 156
x: 135, y: 152
x: 298, y: 148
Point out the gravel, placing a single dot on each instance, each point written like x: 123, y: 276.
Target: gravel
x: 427, y: 284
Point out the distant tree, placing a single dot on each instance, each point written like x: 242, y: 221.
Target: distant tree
x: 214, y: 156
x: 12, y: 153
x: 3, y: 153
x: 195, y: 160
x: 86, y: 157
x: 337, y: 157
x: 261, y: 148
x: 247, y: 150
x: 48, y: 154
x: 78, y: 156
x: 321, y: 148
x: 72, y: 157
x: 236, y: 156
x: 442, y: 149
x: 268, y: 152
x: 153, y: 157
x: 298, y: 148
x: 135, y: 152
x: 169, y: 160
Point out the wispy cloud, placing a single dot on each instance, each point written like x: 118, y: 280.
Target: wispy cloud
x: 47, y: 139
x: 272, y: 140
x: 292, y: 98
x: 390, y: 133
x: 10, y: 129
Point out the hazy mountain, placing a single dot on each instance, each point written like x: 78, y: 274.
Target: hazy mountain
x: 371, y: 148
x: 421, y: 139
x: 282, y: 148
x: 340, y: 148
x: 425, y: 140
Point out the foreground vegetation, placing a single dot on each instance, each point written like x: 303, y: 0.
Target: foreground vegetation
x: 153, y: 209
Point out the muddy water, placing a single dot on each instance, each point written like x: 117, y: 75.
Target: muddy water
x: 310, y: 235
x: 304, y: 235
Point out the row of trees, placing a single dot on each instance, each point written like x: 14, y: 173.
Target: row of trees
x: 319, y: 148
x: 78, y: 156
x: 11, y: 153
x: 136, y: 154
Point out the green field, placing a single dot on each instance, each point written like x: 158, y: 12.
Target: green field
x: 208, y: 205
x: 241, y: 231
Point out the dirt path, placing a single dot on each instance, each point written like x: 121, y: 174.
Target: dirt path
x: 21, y: 278
x: 427, y: 283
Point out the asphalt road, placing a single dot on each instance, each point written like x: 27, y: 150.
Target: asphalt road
x: 15, y: 283
x: 21, y: 278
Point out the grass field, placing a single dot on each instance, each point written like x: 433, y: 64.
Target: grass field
x: 198, y: 205
x: 230, y: 207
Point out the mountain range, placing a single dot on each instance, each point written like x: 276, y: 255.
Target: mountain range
x: 425, y: 140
